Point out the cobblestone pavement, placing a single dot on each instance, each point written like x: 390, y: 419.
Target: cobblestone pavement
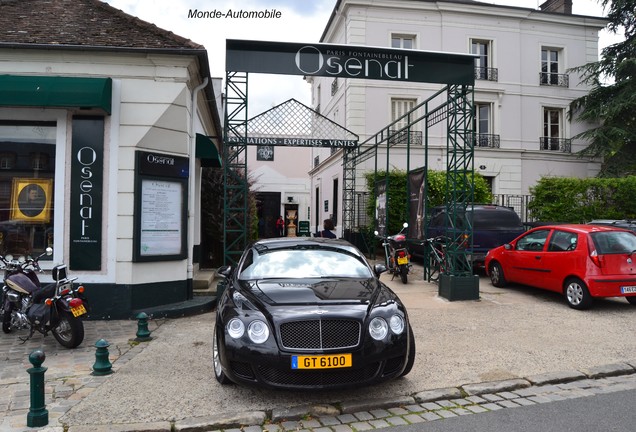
x: 68, y: 378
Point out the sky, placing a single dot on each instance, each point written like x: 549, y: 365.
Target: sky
x: 300, y: 21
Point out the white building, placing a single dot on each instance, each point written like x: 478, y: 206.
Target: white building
x: 522, y: 92
x: 109, y: 117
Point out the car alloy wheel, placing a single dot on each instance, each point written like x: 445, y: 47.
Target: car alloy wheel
x: 216, y: 360
x: 577, y: 295
x: 497, y: 275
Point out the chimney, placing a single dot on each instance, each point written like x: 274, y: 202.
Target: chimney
x: 558, y: 6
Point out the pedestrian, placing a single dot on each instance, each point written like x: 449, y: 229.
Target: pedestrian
x: 280, y: 226
x: 327, y: 231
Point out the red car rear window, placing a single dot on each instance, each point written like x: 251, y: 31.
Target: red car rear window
x: 609, y: 242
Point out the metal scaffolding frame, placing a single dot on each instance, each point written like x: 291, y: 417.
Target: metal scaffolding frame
x: 455, y: 71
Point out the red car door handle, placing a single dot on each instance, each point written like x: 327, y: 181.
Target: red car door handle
x: 537, y: 257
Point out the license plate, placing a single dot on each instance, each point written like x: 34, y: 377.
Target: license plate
x: 78, y: 310
x: 628, y: 289
x: 403, y: 260
x: 321, y: 361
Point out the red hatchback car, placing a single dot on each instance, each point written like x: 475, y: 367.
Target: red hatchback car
x: 580, y: 261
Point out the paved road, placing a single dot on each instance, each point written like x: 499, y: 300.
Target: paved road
x: 606, y: 412
x: 514, y: 336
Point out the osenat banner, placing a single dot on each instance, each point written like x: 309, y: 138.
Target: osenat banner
x: 349, y: 61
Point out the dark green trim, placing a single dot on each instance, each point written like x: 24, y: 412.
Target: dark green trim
x: 207, y: 152
x: 53, y: 91
x: 115, y: 301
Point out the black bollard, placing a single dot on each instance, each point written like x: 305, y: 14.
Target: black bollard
x: 102, y: 365
x: 38, y: 415
x: 143, y: 335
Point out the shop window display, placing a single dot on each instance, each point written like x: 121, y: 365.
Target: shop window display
x: 27, y: 172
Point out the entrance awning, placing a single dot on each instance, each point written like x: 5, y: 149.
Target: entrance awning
x: 207, y: 152
x: 53, y: 91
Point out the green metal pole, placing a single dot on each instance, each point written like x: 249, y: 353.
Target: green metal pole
x: 38, y: 414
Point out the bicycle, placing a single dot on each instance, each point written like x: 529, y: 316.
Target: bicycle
x: 436, y: 257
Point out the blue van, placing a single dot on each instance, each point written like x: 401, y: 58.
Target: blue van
x: 493, y: 225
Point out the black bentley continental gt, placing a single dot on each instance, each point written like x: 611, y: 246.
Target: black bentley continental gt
x: 309, y: 313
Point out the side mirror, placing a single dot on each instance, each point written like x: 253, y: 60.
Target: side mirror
x: 378, y: 269
x: 405, y: 224
x: 376, y: 233
x: 508, y: 246
x: 225, y: 271
x: 49, y: 251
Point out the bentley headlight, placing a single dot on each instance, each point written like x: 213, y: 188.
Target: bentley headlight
x: 258, y: 331
x: 397, y: 324
x: 235, y: 328
x: 378, y: 328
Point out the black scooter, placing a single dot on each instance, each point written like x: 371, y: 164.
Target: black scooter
x: 396, y: 254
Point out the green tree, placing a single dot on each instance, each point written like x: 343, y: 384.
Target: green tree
x: 612, y: 105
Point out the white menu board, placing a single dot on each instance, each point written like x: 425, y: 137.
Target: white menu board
x: 161, y: 217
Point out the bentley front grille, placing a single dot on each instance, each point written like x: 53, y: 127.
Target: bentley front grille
x: 320, y: 334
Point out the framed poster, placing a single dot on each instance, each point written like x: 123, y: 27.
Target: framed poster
x: 160, y: 207
x: 161, y: 222
x: 31, y: 200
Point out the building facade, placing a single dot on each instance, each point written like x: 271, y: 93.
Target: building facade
x: 108, y: 118
x: 523, y: 88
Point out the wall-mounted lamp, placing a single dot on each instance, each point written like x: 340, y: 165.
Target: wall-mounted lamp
x: 482, y: 167
x: 290, y: 199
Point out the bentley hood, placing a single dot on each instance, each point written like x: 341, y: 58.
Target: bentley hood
x: 314, y: 291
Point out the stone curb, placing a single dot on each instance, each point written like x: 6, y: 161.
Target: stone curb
x: 556, y: 377
x: 238, y: 420
x: 221, y: 421
x: 375, y: 403
x: 495, y: 386
x: 300, y: 411
x: 438, y: 394
x: 131, y: 427
x: 609, y: 370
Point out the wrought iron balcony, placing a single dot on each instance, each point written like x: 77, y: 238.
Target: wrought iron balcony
x: 556, y: 144
x: 486, y: 141
x: 486, y: 73
x: 554, y: 79
x: 403, y: 136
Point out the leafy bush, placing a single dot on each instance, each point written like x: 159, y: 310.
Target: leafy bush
x: 397, y: 197
x: 575, y: 200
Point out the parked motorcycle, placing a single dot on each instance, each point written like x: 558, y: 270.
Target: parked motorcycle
x: 26, y: 304
x: 396, y: 254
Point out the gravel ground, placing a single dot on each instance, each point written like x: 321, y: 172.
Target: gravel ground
x: 508, y: 333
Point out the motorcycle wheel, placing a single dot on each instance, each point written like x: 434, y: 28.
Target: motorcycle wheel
x: 69, y: 331
x: 404, y: 271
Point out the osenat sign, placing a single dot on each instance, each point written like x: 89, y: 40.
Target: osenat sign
x: 349, y: 61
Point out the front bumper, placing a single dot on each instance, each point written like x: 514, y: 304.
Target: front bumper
x: 269, y: 367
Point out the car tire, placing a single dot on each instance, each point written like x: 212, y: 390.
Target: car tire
x: 577, y: 295
x: 410, y: 361
x: 631, y: 300
x: 216, y: 361
x: 497, y: 277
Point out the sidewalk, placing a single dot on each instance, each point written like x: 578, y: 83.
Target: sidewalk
x: 511, y: 339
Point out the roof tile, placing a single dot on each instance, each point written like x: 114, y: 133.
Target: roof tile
x: 90, y: 23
